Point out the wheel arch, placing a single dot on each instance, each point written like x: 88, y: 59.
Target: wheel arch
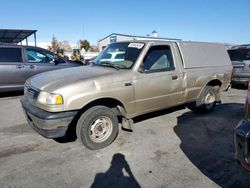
x: 116, y: 105
x: 105, y: 101
x: 214, y: 82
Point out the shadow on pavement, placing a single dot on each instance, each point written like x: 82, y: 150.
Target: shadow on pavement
x: 11, y: 94
x: 114, y: 176
x: 157, y: 113
x: 208, y: 142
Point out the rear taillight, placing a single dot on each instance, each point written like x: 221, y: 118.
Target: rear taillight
x: 248, y: 95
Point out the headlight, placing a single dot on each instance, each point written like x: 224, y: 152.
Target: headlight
x: 49, y: 98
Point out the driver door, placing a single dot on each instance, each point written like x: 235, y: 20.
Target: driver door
x: 159, y: 85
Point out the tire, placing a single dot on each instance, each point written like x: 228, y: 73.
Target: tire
x: 206, y: 102
x: 97, y: 127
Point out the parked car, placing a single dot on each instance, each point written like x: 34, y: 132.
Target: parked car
x: 113, y: 56
x: 18, y: 63
x: 153, y: 75
x: 89, y: 61
x: 240, y: 57
x: 242, y: 137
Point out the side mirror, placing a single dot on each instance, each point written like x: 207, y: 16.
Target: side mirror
x: 141, y: 69
x: 58, y: 60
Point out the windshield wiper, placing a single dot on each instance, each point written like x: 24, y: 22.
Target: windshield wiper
x: 108, y: 63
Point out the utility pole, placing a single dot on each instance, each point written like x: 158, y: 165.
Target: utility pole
x: 82, y: 31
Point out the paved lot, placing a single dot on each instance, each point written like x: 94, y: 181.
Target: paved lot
x: 166, y: 149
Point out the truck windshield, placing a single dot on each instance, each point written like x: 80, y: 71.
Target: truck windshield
x: 239, y: 54
x: 120, y: 55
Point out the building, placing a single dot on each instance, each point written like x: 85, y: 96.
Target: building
x: 116, y: 37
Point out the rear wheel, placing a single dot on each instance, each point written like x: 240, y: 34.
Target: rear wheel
x: 97, y: 127
x: 206, y: 101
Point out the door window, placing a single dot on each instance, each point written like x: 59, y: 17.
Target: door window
x: 38, y: 57
x: 10, y: 55
x: 158, y: 58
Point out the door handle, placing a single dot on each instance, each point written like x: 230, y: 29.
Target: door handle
x: 174, y: 77
x: 32, y: 66
x: 20, y: 66
x: 128, y: 83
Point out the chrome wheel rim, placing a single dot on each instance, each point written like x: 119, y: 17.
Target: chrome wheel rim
x: 100, y: 129
x: 210, y: 98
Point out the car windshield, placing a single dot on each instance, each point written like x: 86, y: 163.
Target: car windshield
x: 239, y: 54
x: 121, y: 55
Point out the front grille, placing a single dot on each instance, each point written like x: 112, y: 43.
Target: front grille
x: 243, y: 146
x: 31, y: 92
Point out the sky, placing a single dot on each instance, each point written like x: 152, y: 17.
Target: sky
x: 226, y: 21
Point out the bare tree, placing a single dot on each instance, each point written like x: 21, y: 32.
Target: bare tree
x: 65, y: 46
x: 54, y: 45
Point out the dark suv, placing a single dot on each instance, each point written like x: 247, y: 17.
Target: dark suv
x: 17, y: 63
x: 240, y: 57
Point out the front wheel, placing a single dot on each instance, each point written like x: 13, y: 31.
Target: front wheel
x: 206, y: 101
x: 97, y: 127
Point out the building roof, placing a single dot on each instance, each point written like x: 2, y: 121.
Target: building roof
x: 140, y: 37
x: 14, y: 35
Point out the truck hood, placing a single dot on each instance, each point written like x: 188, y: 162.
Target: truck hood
x: 52, y: 80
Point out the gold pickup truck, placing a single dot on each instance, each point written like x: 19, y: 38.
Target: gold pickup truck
x: 126, y: 80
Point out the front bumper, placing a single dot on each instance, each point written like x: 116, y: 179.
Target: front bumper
x: 240, y: 79
x: 242, y: 144
x: 47, y: 124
